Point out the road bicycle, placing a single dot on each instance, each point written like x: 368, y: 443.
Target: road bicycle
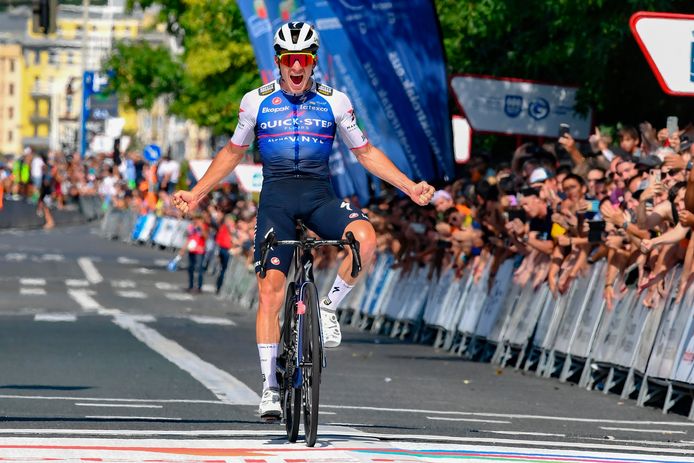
x: 300, y: 357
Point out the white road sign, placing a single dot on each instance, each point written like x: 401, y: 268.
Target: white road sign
x: 519, y: 107
x: 667, y: 42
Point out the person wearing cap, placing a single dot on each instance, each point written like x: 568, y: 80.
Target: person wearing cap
x: 294, y: 120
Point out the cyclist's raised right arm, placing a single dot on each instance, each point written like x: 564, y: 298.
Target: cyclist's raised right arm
x: 223, y: 163
x: 225, y: 160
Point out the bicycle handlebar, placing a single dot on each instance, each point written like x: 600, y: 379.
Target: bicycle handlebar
x: 311, y: 243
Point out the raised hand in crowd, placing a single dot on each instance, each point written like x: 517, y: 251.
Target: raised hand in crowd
x: 674, y: 162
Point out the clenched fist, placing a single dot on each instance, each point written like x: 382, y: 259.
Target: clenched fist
x: 422, y: 193
x: 185, y: 201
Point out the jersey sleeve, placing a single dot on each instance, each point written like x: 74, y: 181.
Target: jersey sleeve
x: 347, y: 125
x: 245, y: 128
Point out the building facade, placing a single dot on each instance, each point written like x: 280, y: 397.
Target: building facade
x: 41, y: 81
x: 10, y: 98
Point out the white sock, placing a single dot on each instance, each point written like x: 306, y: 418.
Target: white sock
x: 268, y: 359
x: 337, y: 293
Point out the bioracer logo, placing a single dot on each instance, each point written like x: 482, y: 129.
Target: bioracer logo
x: 275, y: 110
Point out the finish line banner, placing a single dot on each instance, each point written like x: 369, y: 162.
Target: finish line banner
x: 406, y: 70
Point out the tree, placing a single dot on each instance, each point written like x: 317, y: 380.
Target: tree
x: 582, y: 42
x: 206, y: 82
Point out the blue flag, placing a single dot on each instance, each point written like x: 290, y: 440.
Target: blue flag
x: 400, y: 49
x: 260, y: 34
x: 348, y: 177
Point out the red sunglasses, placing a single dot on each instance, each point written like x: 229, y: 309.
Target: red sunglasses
x: 304, y: 59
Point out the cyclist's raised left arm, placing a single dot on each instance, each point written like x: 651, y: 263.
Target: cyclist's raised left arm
x: 374, y: 160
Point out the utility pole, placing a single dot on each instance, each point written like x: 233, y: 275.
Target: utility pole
x: 85, y: 29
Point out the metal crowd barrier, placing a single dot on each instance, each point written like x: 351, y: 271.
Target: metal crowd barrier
x: 637, y: 352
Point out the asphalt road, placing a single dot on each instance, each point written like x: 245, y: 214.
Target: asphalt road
x: 99, y: 341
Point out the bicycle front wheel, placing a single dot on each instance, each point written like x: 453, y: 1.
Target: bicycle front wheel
x: 291, y: 397
x: 312, y: 361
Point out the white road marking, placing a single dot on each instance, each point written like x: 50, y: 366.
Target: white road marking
x: 32, y: 291
x: 326, y: 413
x: 226, y: 387
x: 76, y: 283
x: 126, y: 260
x: 84, y: 298
x: 143, y: 318
x: 209, y: 288
x: 15, y: 256
x: 108, y: 312
x: 143, y: 270
x: 657, y: 431
x: 82, y: 404
x: 522, y: 433
x: 511, y: 416
x: 123, y: 283
x: 90, y: 271
x: 471, y: 420
x: 53, y: 257
x: 161, y: 262
x: 32, y: 281
x: 179, y: 296
x: 107, y: 399
x: 212, y: 320
x: 130, y: 418
x: 132, y: 294
x: 165, y: 286
x: 55, y: 317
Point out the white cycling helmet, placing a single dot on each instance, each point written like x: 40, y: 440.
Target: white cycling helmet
x: 296, y: 36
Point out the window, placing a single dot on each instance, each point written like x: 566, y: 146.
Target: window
x: 11, y: 89
x: 10, y: 112
x: 53, y: 57
x: 11, y: 65
x: 9, y: 136
x: 37, y: 57
x: 70, y: 58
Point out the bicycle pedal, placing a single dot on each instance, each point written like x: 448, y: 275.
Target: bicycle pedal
x: 271, y: 419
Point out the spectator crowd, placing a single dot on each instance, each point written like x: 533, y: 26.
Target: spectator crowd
x: 557, y: 208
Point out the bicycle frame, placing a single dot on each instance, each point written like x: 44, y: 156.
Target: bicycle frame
x: 303, y: 279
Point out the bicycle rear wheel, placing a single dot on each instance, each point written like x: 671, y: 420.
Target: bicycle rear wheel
x: 312, y: 360
x: 291, y: 397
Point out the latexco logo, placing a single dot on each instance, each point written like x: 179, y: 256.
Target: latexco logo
x: 275, y: 110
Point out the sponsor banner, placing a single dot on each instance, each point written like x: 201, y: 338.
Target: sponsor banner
x: 260, y: 34
x: 406, y: 70
x: 519, y: 107
x: 348, y: 176
x: 667, y: 42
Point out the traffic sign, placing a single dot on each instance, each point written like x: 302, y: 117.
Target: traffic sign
x: 667, y: 42
x: 152, y: 153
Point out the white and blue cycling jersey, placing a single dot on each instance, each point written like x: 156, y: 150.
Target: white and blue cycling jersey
x: 295, y: 133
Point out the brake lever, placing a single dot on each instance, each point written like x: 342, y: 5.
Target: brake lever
x: 356, y: 258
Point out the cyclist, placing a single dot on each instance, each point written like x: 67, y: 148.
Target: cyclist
x: 294, y: 120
